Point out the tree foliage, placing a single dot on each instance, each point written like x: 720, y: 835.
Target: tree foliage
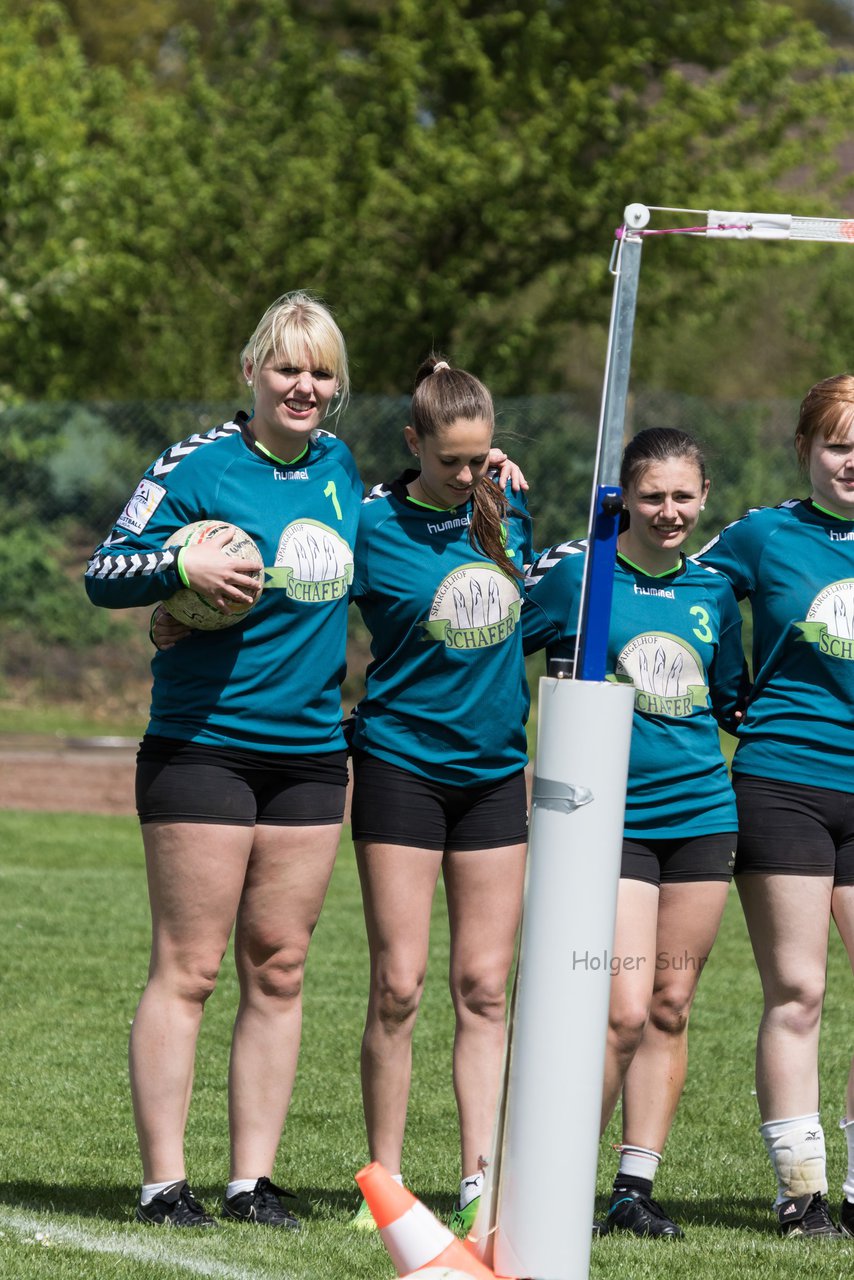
x: 443, y: 172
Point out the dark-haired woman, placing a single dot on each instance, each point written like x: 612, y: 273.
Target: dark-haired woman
x: 675, y: 633
x: 439, y: 754
x: 794, y: 780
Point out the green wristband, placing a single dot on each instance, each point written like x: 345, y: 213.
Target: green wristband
x: 180, y: 564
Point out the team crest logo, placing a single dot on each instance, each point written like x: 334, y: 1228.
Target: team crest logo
x: 830, y: 620
x: 143, y: 503
x: 667, y: 674
x: 475, y: 606
x: 313, y: 563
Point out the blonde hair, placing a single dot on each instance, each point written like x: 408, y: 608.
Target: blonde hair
x: 298, y: 327
x: 823, y: 413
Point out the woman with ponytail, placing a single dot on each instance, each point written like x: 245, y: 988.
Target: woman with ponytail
x: 439, y: 758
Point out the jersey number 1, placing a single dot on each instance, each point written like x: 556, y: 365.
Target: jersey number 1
x: 331, y: 492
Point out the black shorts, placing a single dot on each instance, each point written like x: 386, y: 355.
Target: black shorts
x: 179, y: 781
x: 788, y: 829
x: 394, y: 806
x: 709, y: 857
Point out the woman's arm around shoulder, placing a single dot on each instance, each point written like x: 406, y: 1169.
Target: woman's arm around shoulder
x: 729, y: 678
x: 553, y: 582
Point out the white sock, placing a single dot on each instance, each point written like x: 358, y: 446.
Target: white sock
x: 238, y: 1185
x: 638, y: 1162
x: 152, y: 1189
x: 848, y: 1185
x: 796, y: 1150
x: 470, y: 1188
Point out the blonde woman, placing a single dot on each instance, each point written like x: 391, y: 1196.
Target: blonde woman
x: 242, y: 771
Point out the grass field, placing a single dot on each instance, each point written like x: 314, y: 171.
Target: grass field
x: 75, y: 937
x: 71, y: 721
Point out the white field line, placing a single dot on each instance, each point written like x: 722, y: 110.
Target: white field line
x: 39, y: 1230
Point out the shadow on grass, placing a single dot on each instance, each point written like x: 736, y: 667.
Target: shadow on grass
x: 114, y: 1204
x: 117, y: 1203
x: 754, y: 1214
x: 331, y: 1203
x: 746, y: 1213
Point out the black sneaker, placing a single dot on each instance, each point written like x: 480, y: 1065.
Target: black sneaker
x: 174, y: 1207
x: 262, y: 1206
x: 807, y: 1215
x: 631, y: 1210
x: 846, y: 1218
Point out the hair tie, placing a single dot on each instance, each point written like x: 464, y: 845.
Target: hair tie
x: 440, y: 364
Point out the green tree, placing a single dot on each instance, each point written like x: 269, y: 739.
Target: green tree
x: 114, y: 31
x: 497, y: 144
x: 146, y: 225
x: 94, y: 172
x: 444, y: 172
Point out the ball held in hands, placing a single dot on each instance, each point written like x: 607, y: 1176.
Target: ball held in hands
x: 192, y: 608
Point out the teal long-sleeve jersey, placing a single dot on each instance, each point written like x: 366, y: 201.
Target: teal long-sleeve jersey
x: 795, y: 563
x: 270, y: 683
x: 446, y: 695
x: 677, y: 638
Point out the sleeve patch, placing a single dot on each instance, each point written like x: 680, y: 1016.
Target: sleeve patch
x: 141, y: 507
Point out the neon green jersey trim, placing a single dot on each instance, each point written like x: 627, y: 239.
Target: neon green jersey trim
x: 645, y: 572
x: 835, y: 514
x: 273, y: 458
x: 427, y: 505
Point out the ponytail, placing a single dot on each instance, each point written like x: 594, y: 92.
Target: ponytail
x: 442, y: 396
x: 488, y: 531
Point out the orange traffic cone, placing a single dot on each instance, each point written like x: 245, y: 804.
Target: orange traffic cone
x: 414, y: 1238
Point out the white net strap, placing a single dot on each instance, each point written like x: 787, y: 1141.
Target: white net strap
x: 730, y: 225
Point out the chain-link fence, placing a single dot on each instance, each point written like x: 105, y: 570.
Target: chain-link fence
x: 67, y: 470
x: 81, y: 461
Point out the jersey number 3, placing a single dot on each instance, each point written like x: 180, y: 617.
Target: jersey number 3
x: 702, y: 631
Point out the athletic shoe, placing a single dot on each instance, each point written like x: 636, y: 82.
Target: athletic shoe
x: 846, y: 1218
x: 262, y: 1206
x: 631, y: 1210
x: 462, y: 1220
x: 174, y: 1207
x: 807, y: 1215
x: 363, y: 1219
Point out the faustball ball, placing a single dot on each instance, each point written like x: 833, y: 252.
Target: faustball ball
x: 192, y: 608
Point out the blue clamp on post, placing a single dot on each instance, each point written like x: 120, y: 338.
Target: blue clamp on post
x: 599, y: 584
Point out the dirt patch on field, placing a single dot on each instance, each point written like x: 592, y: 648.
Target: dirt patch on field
x: 89, y: 776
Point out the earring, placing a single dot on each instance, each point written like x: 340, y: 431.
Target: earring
x: 702, y: 506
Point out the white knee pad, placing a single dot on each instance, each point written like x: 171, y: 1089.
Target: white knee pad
x: 847, y: 1126
x: 799, y: 1160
